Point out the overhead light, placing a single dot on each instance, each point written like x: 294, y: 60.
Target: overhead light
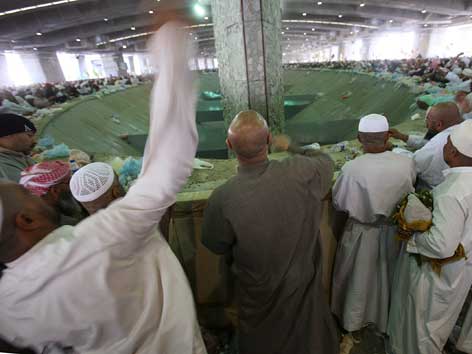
x: 283, y: 54
x: 304, y: 14
x: 199, y: 10
x: 206, y: 18
x: 283, y: 32
x: 351, y: 32
x: 105, y: 19
x: 34, y: 7
x: 287, y: 28
x: 190, y: 34
x: 35, y: 48
x: 306, y: 40
x: 391, y: 21
x: 362, y: 4
x: 313, y: 29
x: 125, y: 46
x: 196, y: 38
x: 39, y: 34
x: 151, y: 12
x: 423, y: 11
x: 304, y: 33
x: 13, y: 41
x: 340, y: 16
x: 425, y: 25
x: 319, y: 3
x: 133, y: 28
x: 77, y: 39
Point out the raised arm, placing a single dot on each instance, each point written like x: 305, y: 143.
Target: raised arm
x: 170, y: 149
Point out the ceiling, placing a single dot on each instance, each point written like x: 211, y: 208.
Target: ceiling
x: 110, y: 25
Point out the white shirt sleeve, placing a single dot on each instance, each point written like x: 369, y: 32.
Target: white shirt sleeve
x: 442, y: 240
x: 169, y: 152
x: 416, y: 142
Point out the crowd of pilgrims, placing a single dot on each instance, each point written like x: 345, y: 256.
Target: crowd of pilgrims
x: 85, y: 269
x: 29, y: 99
x: 438, y: 70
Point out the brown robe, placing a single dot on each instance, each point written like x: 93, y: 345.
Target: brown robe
x: 268, y: 218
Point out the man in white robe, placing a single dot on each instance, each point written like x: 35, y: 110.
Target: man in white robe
x: 425, y: 305
x: 368, y: 190
x: 107, y: 285
x: 429, y: 161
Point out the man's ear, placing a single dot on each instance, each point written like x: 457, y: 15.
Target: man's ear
x: 117, y: 191
x: 26, y: 221
x: 269, y: 139
x: 359, y: 138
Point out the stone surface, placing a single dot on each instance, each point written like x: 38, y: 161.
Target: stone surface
x: 249, y: 52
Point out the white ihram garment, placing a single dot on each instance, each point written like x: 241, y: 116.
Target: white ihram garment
x: 425, y: 305
x: 368, y: 189
x: 110, y: 285
x: 430, y: 162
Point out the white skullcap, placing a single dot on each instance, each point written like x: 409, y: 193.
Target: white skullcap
x: 91, y: 182
x: 373, y: 123
x: 467, y: 72
x: 461, y: 138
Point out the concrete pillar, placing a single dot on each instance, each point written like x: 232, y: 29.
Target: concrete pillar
x: 249, y: 52
x: 422, y: 43
x: 365, y: 52
x: 120, y: 63
x: 51, y: 67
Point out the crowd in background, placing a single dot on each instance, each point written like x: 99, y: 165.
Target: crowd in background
x: 427, y: 69
x: 27, y: 100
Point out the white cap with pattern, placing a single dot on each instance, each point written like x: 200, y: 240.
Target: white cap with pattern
x: 92, y: 181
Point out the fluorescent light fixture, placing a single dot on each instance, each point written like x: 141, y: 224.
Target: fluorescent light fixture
x: 199, y: 10
x: 335, y: 23
x: 206, y: 18
x: 313, y: 29
x: 423, y: 11
x: 283, y: 32
x: 304, y: 14
x: 39, y: 34
x: 319, y: 3
x: 133, y: 28
x: 105, y: 19
x: 340, y: 16
x: 125, y: 46
x: 362, y: 4
x: 151, y: 12
x: 13, y: 41
x: 34, y: 7
x: 425, y: 25
x: 35, y: 49
x: 304, y: 33
x: 196, y: 38
x: 77, y: 39
x: 391, y: 21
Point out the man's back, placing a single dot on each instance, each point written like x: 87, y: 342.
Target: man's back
x: 371, y: 186
x: 269, y: 217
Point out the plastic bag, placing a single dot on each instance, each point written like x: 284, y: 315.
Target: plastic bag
x: 58, y: 151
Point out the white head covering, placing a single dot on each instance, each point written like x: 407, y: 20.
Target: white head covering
x: 91, y: 182
x: 467, y: 72
x: 373, y: 123
x: 466, y: 61
x: 460, y: 138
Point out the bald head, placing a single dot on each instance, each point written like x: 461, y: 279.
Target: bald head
x: 249, y: 136
x: 443, y: 116
x: 27, y: 219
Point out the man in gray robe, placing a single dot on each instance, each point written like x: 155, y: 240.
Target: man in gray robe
x: 267, y: 218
